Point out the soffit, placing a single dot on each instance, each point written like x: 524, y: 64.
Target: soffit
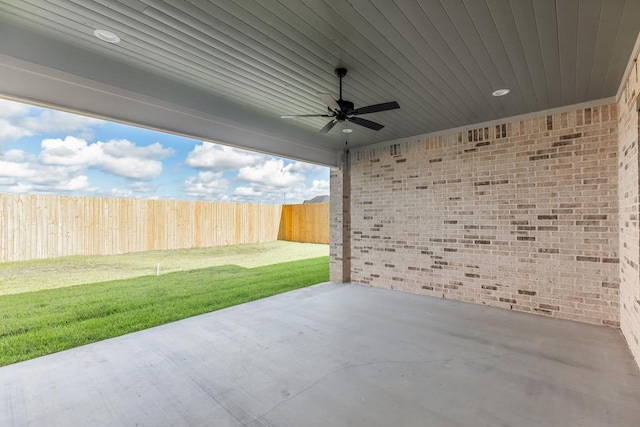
x: 246, y: 62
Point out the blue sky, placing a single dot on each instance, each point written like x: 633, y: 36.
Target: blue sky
x: 54, y: 152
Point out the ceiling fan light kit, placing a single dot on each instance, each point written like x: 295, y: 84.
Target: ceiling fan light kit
x: 107, y: 36
x: 500, y: 92
x: 343, y: 110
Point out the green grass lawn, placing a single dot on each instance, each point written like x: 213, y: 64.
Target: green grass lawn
x: 37, y: 323
x: 27, y: 276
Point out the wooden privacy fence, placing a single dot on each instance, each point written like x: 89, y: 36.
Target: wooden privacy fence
x: 43, y: 226
x: 305, y: 223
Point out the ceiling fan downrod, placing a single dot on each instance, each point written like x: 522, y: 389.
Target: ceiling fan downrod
x: 345, y: 106
x: 341, y: 72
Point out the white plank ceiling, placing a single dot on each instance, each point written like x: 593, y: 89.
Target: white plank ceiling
x: 240, y: 64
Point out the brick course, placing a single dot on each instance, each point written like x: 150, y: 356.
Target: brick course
x: 521, y: 215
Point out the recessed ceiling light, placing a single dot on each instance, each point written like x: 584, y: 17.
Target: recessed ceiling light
x: 347, y: 130
x: 500, y: 92
x: 107, y: 36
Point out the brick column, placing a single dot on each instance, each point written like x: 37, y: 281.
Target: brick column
x: 340, y: 238
x: 629, y: 211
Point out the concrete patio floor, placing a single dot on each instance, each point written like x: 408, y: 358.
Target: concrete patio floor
x: 336, y: 355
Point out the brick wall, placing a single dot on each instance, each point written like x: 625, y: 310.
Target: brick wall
x: 521, y: 215
x: 629, y: 187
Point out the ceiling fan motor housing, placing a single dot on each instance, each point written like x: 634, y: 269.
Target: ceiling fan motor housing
x: 345, y: 106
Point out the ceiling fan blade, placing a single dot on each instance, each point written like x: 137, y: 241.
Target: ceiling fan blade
x: 305, y: 115
x: 376, y: 108
x: 329, y: 101
x: 366, y: 123
x: 328, y: 126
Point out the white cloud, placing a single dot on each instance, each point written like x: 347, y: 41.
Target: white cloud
x: 118, y: 157
x: 9, y: 132
x: 207, y: 185
x: 17, y: 156
x: 60, y: 122
x: 132, y: 168
x: 21, y: 165
x: 302, y: 167
x: 247, y: 192
x: 319, y: 187
x: 116, y: 192
x: 123, y: 148
x: 220, y: 158
x: 18, y: 120
x: 19, y: 188
x: 260, y: 193
x: 12, y: 108
x: 140, y: 187
x: 256, y: 193
x: 272, y: 172
x: 69, y: 152
x: 7, y: 181
x: 21, y: 172
x: 75, y: 183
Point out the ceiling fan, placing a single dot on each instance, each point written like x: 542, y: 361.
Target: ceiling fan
x: 342, y: 110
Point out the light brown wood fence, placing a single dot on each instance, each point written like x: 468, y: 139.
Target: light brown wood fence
x: 42, y: 226
x: 305, y: 223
